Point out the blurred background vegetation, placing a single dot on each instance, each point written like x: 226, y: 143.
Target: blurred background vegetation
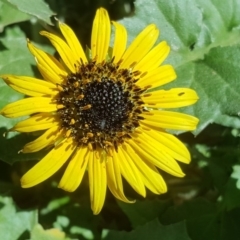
x: 204, y: 36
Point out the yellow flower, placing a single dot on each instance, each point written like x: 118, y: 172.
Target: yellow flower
x: 99, y: 114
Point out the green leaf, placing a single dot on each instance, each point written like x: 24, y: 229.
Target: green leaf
x: 51, y: 234
x: 231, y: 195
x: 222, y: 156
x: 201, y: 218
x: 142, y: 212
x: 14, y: 222
x: 236, y: 175
x: 15, y: 58
x: 201, y: 34
x: 76, y: 219
x: 153, y: 230
x: 216, y: 81
x: 230, y: 225
x: 36, y: 8
x: 9, y: 15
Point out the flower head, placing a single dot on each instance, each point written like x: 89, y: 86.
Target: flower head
x: 100, y: 115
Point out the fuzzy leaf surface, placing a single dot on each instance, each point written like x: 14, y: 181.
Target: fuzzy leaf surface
x: 36, y: 8
x: 204, y: 36
x: 10, y: 15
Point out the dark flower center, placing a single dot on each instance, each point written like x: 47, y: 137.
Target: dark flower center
x: 110, y: 106
x: 100, y: 105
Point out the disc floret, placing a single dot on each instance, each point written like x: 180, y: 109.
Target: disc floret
x: 100, y: 104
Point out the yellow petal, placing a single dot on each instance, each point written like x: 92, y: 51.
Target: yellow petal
x: 46, y: 139
x: 68, y: 56
x: 140, y: 46
x: 114, y: 178
x: 49, y: 75
x: 53, y: 68
x: 173, y: 98
x: 75, y: 170
x: 72, y: 41
x: 97, y: 181
x: 101, y: 31
x: 149, y: 174
x: 170, y: 120
x: 158, y: 77
x: 28, y: 106
x: 37, y: 122
x: 30, y: 86
x: 120, y: 41
x: 154, y: 58
x: 156, y: 156
x: 170, y: 144
x: 130, y: 171
x: 50, y: 164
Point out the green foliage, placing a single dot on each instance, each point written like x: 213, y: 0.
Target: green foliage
x: 9, y: 15
x: 14, y: 222
x: 204, y: 36
x: 154, y: 230
x: 236, y: 174
x: 36, y: 8
x: 140, y: 214
x: 52, y: 234
x: 204, y: 39
x: 15, y: 59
